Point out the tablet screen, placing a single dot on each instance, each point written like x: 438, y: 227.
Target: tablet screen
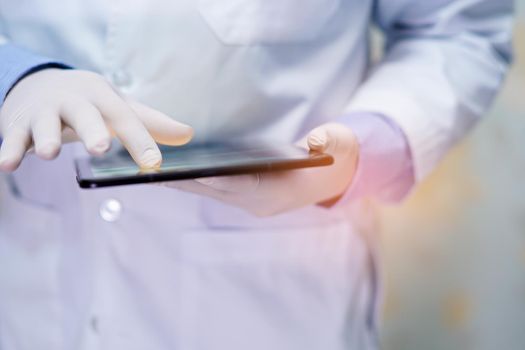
x: 195, y: 157
x: 196, y: 160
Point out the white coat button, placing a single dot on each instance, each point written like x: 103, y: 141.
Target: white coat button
x: 110, y: 210
x: 121, y: 78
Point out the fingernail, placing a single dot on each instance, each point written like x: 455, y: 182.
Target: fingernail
x: 100, y: 148
x: 189, y: 130
x: 317, y: 140
x: 48, y: 151
x: 188, y: 134
x: 151, y: 158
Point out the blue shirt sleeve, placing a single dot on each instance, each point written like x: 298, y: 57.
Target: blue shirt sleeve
x: 16, y: 63
x: 384, y: 167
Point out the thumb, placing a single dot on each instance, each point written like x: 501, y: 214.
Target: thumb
x: 162, y: 128
x: 332, y: 138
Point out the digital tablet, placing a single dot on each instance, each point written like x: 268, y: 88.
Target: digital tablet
x: 194, y: 161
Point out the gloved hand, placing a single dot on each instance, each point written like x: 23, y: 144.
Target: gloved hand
x: 273, y: 193
x: 53, y: 106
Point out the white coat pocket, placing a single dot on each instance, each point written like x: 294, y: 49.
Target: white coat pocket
x: 245, y: 22
x: 279, y: 289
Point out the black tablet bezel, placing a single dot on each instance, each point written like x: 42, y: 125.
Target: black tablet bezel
x: 86, y: 179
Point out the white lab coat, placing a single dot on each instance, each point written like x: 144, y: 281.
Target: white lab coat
x: 145, y: 267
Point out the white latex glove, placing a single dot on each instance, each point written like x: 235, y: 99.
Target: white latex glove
x: 53, y: 106
x: 272, y: 193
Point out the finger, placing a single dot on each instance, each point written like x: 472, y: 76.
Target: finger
x: 86, y: 120
x: 130, y: 130
x: 14, y: 147
x: 195, y: 187
x: 162, y: 128
x: 46, y: 132
x: 244, y: 184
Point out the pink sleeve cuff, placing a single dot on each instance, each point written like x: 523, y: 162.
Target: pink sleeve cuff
x: 384, y: 169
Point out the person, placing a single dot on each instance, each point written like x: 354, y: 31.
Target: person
x: 271, y: 261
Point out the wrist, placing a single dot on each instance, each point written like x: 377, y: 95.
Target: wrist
x: 16, y: 63
x: 35, y: 70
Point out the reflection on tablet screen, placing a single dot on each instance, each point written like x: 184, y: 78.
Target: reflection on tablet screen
x: 195, y: 157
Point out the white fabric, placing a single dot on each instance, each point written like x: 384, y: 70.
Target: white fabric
x: 177, y: 271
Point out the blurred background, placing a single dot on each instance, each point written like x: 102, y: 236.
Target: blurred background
x: 454, y: 253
